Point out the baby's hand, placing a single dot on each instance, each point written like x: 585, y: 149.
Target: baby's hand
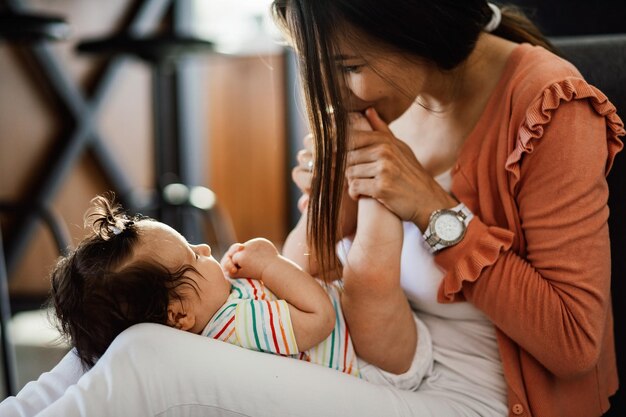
x: 249, y: 259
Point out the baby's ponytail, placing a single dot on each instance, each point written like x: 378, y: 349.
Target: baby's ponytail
x: 107, y: 219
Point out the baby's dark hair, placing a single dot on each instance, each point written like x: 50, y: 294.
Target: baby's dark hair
x: 98, y: 291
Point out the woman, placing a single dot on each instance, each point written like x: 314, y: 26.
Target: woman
x: 502, y: 169
x: 505, y: 134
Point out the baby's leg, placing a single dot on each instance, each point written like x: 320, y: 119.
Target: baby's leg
x: 50, y: 386
x: 153, y: 370
x: 376, y: 309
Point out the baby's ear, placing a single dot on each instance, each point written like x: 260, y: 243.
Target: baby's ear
x: 178, y: 317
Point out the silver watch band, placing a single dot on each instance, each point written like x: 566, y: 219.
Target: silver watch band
x: 433, y: 241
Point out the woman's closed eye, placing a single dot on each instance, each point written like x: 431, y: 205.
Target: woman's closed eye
x: 352, y: 68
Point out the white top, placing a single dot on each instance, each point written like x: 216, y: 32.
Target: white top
x: 464, y: 339
x: 421, y: 276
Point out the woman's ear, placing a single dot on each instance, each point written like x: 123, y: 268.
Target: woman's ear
x: 179, y: 317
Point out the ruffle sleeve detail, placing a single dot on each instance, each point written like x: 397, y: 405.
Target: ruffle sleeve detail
x: 540, y: 113
x: 464, y: 262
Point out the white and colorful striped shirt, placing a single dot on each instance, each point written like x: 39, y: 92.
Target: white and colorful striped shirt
x: 254, y: 318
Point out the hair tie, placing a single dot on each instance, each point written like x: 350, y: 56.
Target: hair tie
x: 115, y: 230
x: 496, y: 18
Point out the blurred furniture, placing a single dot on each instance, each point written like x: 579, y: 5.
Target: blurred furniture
x: 79, y: 111
x: 8, y: 354
x: 176, y: 200
x: 32, y: 30
x: 30, y: 34
x: 602, y: 61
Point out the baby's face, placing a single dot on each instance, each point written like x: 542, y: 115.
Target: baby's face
x: 165, y: 245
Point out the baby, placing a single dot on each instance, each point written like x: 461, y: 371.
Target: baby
x: 134, y: 269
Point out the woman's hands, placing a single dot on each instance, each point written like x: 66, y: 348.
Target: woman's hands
x: 302, y: 174
x: 249, y: 259
x: 381, y: 166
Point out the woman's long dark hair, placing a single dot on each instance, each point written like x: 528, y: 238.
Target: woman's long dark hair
x: 443, y: 32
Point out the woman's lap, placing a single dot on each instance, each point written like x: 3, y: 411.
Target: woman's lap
x: 157, y: 371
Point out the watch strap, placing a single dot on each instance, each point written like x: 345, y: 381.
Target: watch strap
x: 433, y: 241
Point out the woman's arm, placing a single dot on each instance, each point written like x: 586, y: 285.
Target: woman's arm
x: 554, y: 300
x: 312, y: 314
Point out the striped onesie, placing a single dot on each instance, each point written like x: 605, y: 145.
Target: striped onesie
x: 254, y: 318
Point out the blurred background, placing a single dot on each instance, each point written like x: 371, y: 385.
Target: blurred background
x: 177, y: 106
x: 188, y: 109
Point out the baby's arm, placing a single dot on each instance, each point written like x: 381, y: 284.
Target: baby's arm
x: 376, y: 309
x: 312, y: 314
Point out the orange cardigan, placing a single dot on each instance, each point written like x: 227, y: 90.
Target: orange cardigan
x: 536, y: 258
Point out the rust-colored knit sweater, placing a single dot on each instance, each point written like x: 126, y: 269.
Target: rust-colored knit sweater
x: 536, y: 259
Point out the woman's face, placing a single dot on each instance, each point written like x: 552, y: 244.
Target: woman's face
x: 375, y: 77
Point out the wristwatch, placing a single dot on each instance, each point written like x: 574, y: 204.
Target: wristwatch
x: 447, y: 227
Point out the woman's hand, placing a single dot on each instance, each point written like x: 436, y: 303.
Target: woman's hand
x: 381, y: 166
x: 302, y: 174
x: 249, y: 259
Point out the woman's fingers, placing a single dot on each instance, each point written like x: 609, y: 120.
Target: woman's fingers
x: 374, y: 150
x: 375, y: 121
x: 303, y: 202
x: 302, y: 178
x: 363, y: 170
x: 307, y: 141
x: 362, y: 187
x: 361, y: 179
x: 373, y: 179
x: 361, y: 138
x: 302, y: 173
x: 304, y: 156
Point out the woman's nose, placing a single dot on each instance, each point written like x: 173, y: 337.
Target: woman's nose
x: 354, y: 103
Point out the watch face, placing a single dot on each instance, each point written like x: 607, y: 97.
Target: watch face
x: 448, y: 227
